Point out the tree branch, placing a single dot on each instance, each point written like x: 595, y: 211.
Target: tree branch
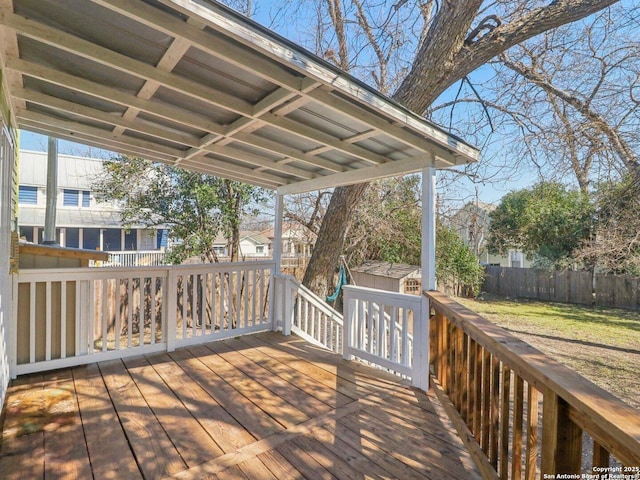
x: 443, y: 58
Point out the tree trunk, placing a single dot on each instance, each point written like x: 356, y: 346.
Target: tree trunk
x: 321, y: 269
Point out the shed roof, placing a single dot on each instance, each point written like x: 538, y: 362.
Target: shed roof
x: 195, y: 84
x: 387, y: 269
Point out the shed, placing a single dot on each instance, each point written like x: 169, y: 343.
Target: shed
x: 392, y: 277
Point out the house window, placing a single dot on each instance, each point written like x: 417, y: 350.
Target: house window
x: 70, y: 198
x: 259, y: 248
x: 27, y: 195
x: 220, y: 250
x: 86, y: 199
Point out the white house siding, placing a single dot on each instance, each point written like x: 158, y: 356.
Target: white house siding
x: 86, y: 224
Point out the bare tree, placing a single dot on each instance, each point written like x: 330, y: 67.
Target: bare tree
x: 563, y: 102
x: 447, y: 49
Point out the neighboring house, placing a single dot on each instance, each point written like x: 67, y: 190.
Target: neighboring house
x: 252, y: 244
x: 81, y: 221
x: 472, y: 224
x: 297, y: 240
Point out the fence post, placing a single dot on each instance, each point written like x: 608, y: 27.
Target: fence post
x: 347, y: 323
x: 170, y: 316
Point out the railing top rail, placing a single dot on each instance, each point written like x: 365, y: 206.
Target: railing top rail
x: 604, y: 416
x: 26, y: 274
x: 366, y: 293
x: 224, y: 266
x: 134, y: 252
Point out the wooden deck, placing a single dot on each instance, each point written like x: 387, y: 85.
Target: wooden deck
x: 261, y: 407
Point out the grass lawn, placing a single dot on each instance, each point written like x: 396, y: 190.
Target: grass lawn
x: 602, y: 344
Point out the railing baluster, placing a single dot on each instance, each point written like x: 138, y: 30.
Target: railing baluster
x: 600, y: 456
x: 222, y: 298
x: 104, y: 314
x: 471, y: 414
x: 504, y: 422
x: 464, y: 411
x: 117, y: 311
x: 561, y: 437
x: 152, y: 307
x: 47, y: 327
x: 238, y: 322
x: 495, y: 411
x: 141, y: 313
x: 459, y: 373
x: 532, y: 432
x: 194, y: 305
x: 202, y: 301
x: 129, y: 312
x: 477, y: 416
x: 451, y: 360
x: 486, y: 400
x: 32, y: 322
x: 245, y: 294
x: 518, y: 413
x: 63, y: 319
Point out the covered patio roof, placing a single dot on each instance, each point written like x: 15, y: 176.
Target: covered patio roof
x: 194, y: 84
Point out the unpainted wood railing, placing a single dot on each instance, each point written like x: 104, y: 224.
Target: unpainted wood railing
x: 521, y: 413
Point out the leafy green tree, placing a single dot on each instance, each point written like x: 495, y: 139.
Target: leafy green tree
x: 547, y: 222
x: 386, y: 223
x: 195, y: 207
x: 457, y: 267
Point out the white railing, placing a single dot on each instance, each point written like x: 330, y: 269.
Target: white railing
x: 139, y: 258
x: 65, y: 317
x: 306, y: 315
x: 215, y: 303
x: 379, y: 327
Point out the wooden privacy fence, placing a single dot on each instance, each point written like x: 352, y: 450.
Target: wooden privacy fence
x: 621, y: 291
x: 521, y: 413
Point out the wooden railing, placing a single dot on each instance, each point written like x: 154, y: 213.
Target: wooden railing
x: 306, y: 315
x: 522, y: 414
x: 379, y: 327
x: 71, y: 316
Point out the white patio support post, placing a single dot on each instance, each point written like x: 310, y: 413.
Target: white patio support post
x: 278, y: 309
x: 420, y: 377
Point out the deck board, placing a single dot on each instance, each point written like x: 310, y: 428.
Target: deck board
x: 263, y: 406
x: 65, y: 450
x: 153, y: 449
x: 191, y: 441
